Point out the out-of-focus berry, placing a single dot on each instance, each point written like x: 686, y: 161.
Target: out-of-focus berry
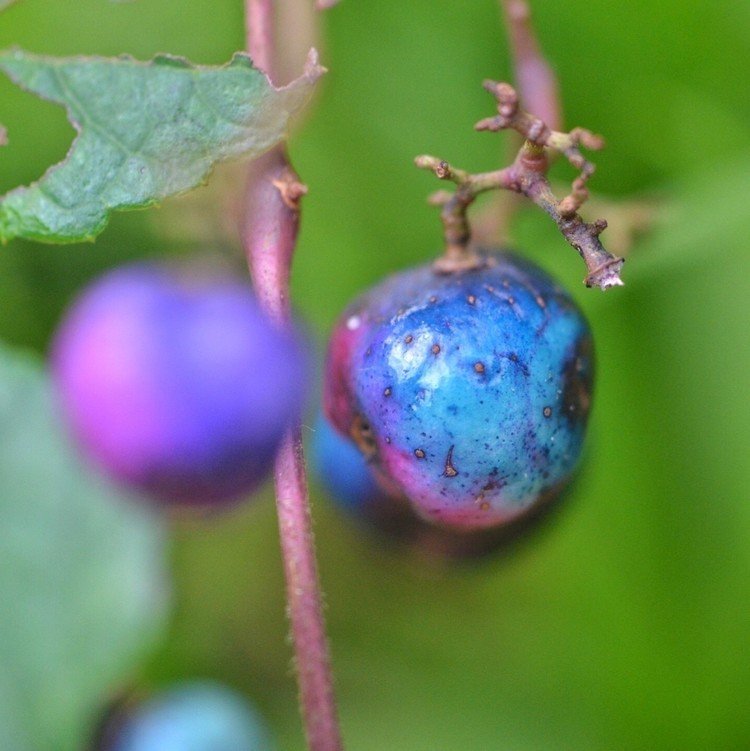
x: 177, y: 386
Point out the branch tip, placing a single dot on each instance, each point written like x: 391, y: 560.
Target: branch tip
x: 313, y: 69
x: 598, y: 226
x: 607, y: 275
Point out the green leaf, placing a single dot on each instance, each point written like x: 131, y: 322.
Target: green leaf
x: 145, y: 131
x: 82, y: 586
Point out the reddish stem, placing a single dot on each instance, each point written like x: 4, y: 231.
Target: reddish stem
x: 535, y: 80
x: 259, y: 33
x: 269, y: 234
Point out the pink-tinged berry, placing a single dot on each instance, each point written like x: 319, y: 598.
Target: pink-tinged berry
x: 470, y: 391
x: 178, y: 386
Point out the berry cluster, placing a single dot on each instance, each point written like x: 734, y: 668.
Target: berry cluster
x: 456, y: 398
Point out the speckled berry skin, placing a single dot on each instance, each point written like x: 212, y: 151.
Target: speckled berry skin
x: 354, y: 485
x: 177, y: 386
x: 469, y: 390
x: 196, y: 716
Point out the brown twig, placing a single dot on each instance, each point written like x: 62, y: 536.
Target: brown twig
x: 269, y: 235
x: 527, y: 176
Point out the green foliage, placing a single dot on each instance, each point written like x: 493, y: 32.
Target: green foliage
x: 146, y: 131
x: 82, y: 588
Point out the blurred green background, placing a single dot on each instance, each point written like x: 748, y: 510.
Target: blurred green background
x: 624, y: 621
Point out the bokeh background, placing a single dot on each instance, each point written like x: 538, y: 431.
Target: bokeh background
x: 623, y: 622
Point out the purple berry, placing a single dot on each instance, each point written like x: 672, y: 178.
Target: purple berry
x: 470, y: 391
x: 178, y: 387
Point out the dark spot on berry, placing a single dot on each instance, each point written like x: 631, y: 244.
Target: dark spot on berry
x: 368, y: 351
x: 408, y: 339
x: 433, y: 299
x: 435, y: 349
x: 577, y: 382
x: 449, y: 470
x: 362, y: 434
x: 388, y: 391
x: 387, y: 439
x: 479, y: 367
x: 513, y: 357
x: 419, y: 453
x: 493, y: 484
x: 547, y: 411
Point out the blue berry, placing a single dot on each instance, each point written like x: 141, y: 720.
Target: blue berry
x: 197, y: 716
x: 179, y: 387
x: 344, y: 471
x: 470, y: 391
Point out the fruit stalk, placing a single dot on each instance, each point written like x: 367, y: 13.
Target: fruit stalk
x: 269, y: 232
x: 527, y: 176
